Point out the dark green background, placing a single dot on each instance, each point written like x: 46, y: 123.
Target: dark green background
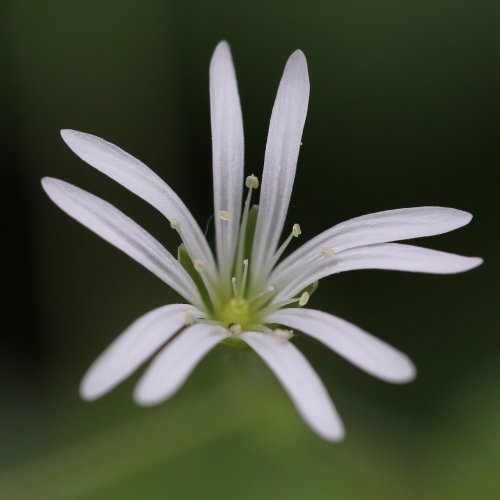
x: 404, y: 111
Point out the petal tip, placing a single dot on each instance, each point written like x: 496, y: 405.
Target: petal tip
x: 462, y: 217
x: 222, y: 45
x: 407, y: 373
x: 334, y: 435
x: 298, y: 53
x: 75, y: 139
x: 67, y: 134
x: 50, y: 184
x: 222, y: 50
x: 296, y: 71
x: 475, y: 262
x: 142, y: 398
x: 88, y: 390
x: 467, y: 217
x: 465, y: 264
x: 46, y: 181
x: 298, y: 58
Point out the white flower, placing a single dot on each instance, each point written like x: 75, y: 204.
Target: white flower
x: 242, y: 294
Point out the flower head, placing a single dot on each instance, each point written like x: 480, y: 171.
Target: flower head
x: 244, y: 292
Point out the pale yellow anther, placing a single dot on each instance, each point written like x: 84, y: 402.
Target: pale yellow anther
x: 175, y: 224
x: 189, y: 319
x: 304, y: 299
x: 224, y: 215
x: 199, y: 265
x: 327, y: 252
x: 234, y: 328
x: 252, y: 182
x: 283, y: 334
x: 296, y: 230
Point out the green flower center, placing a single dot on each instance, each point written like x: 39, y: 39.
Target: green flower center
x: 237, y: 312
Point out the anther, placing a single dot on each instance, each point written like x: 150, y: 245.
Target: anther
x: 304, y: 299
x: 189, y: 319
x: 234, y: 328
x: 296, y: 230
x: 327, y: 252
x: 252, y: 182
x: 224, y: 215
x: 175, y: 224
x: 283, y: 334
x: 199, y: 265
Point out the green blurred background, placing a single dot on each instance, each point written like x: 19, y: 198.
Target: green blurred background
x: 404, y: 111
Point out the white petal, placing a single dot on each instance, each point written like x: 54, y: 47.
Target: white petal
x: 133, y: 347
x: 116, y: 228
x: 359, y: 347
x: 389, y: 256
x: 142, y: 181
x: 174, y: 364
x: 380, y: 227
x: 227, y: 151
x: 300, y: 381
x: 282, y: 151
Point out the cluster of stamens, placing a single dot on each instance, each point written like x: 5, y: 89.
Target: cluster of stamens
x: 238, y: 310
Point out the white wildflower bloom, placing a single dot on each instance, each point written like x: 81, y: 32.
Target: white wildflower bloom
x: 243, y: 292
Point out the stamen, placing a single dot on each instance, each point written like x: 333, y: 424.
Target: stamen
x: 304, y: 299
x: 301, y: 275
x: 175, y: 224
x: 189, y: 319
x: 234, y: 328
x: 199, y: 265
x: 283, y: 334
x: 224, y: 215
x: 296, y: 232
x: 233, y: 282
x: 244, y: 279
x: 252, y: 182
x: 327, y: 252
x: 265, y: 292
x: 277, y: 306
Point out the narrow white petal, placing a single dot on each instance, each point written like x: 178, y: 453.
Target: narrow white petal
x: 380, y: 227
x: 282, y: 151
x: 142, y: 181
x: 133, y: 347
x: 389, y: 256
x: 300, y: 381
x: 116, y: 228
x: 359, y: 347
x: 227, y: 151
x: 174, y: 364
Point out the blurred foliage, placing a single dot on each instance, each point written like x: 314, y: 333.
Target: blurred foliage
x: 404, y: 111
